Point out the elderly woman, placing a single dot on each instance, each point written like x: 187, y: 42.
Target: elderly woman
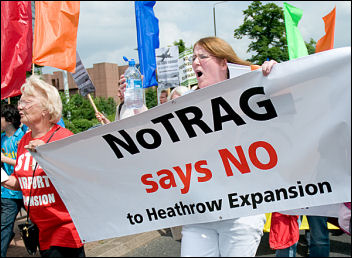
x: 238, y: 237
x: 40, y: 109
x: 178, y: 92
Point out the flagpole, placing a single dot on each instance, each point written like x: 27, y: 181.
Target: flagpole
x: 93, y: 104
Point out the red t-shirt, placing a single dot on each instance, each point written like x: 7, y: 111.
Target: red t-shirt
x: 47, y: 210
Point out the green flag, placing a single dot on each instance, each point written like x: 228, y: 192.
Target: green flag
x: 295, y: 43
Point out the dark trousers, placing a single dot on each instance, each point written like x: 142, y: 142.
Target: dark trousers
x: 58, y: 251
x: 9, y: 210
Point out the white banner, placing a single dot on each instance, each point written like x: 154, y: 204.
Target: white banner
x: 246, y: 146
x: 324, y: 210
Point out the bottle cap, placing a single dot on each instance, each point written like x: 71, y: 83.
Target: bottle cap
x: 131, y: 62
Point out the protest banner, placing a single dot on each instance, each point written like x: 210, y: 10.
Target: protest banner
x: 81, y: 78
x: 167, y: 66
x: 186, y: 74
x: 245, y: 146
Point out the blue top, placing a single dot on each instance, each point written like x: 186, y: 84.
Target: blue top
x: 9, y: 149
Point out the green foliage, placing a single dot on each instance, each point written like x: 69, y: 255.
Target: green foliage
x: 311, y: 46
x: 82, y: 124
x: 265, y: 26
x: 82, y: 114
x: 151, y: 98
x: 181, y: 45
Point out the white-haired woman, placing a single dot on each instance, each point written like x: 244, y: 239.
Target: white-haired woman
x: 178, y: 91
x: 40, y: 109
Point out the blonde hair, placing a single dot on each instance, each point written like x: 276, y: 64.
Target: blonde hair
x: 50, y: 96
x: 180, y: 90
x: 221, y: 49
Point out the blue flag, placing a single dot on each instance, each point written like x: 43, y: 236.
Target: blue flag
x: 148, y: 40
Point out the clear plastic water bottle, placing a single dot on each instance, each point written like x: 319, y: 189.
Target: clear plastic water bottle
x: 134, y: 90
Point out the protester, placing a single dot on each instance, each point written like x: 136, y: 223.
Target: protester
x: 11, y: 201
x: 344, y: 218
x: 40, y: 109
x: 318, y: 236
x: 233, y: 237
x: 121, y: 110
x: 178, y: 91
x: 163, y: 96
x: 284, y: 234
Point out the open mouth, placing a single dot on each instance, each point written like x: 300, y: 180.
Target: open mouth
x: 199, y: 74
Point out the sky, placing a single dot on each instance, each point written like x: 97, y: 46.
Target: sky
x: 107, y: 29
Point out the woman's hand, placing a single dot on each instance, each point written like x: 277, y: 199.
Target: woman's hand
x: 123, y: 84
x: 34, y: 144
x: 102, y: 118
x: 267, y: 66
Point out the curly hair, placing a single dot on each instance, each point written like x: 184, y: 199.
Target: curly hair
x: 50, y: 96
x: 11, y: 114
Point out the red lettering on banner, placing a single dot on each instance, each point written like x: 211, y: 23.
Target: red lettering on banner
x: 168, y: 179
x: 242, y: 165
x: 253, y: 155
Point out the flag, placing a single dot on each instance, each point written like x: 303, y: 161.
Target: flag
x: 327, y: 41
x: 82, y: 78
x: 55, y: 34
x: 16, y: 45
x: 148, y: 40
x: 295, y: 43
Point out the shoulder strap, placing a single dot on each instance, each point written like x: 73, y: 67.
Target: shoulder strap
x: 36, y: 165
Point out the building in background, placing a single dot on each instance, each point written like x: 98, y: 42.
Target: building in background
x: 105, y: 77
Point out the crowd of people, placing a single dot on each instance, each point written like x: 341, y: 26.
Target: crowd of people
x: 40, y: 109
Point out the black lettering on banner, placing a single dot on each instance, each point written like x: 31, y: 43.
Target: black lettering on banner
x: 231, y: 114
x: 277, y: 194
x: 244, y: 199
x: 321, y: 187
x: 256, y: 201
x: 269, y: 196
x: 311, y: 189
x: 155, y: 135
x: 165, y: 121
x: 283, y: 191
x: 232, y: 200
x: 292, y: 191
x: 189, y: 122
x: 113, y: 141
x: 267, y: 104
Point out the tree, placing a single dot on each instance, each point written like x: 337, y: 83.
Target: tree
x: 82, y: 112
x: 265, y: 26
x: 181, y: 45
x: 151, y: 98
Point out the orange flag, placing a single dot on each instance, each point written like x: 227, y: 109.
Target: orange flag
x: 327, y: 41
x: 55, y: 34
